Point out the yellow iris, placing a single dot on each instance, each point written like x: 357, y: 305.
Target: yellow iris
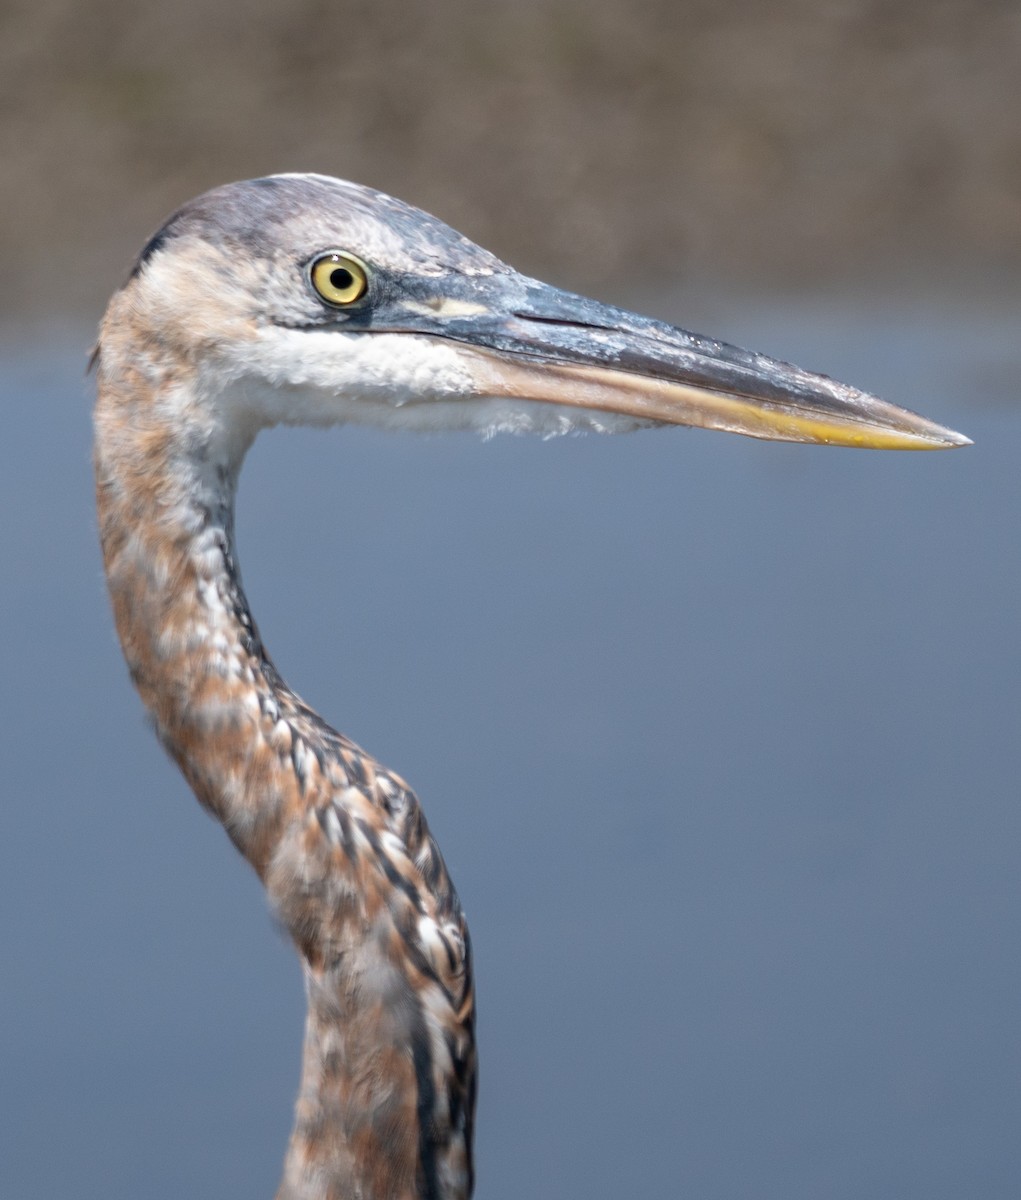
x: 340, y: 279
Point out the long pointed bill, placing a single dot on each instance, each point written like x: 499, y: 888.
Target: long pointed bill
x: 525, y: 340
x: 817, y: 409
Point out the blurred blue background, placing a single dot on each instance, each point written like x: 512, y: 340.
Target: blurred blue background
x: 719, y: 738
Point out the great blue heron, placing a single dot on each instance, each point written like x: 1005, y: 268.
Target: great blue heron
x: 301, y: 299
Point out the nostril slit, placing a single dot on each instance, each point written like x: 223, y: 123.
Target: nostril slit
x: 565, y: 322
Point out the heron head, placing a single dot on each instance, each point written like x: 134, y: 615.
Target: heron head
x: 304, y: 299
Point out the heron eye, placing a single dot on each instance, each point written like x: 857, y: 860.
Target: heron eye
x: 340, y: 279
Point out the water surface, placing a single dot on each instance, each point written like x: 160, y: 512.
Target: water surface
x: 720, y: 740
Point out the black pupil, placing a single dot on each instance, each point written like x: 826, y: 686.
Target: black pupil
x: 341, y: 278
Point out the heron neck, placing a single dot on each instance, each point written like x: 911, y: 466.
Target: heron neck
x: 387, y: 1091
x: 165, y: 497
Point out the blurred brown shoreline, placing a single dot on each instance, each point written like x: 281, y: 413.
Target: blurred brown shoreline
x: 602, y: 145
